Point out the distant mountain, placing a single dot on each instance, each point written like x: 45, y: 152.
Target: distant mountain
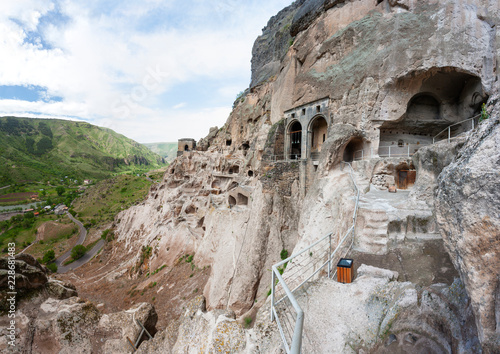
x: 167, y: 150
x: 41, y: 149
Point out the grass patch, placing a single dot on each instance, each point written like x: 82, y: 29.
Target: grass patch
x: 248, y: 322
x: 101, y: 203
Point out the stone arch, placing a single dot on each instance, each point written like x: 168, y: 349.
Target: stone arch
x: 424, y: 106
x: 216, y: 184
x: 352, y: 148
x: 318, y: 127
x: 295, y: 140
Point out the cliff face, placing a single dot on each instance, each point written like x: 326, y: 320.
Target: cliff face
x: 468, y: 213
x: 375, y: 72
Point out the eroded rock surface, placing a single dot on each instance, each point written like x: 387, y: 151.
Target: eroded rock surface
x: 468, y: 213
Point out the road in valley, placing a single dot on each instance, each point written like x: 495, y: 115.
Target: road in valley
x: 87, y: 257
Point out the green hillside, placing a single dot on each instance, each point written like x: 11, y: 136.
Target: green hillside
x: 166, y: 150
x: 42, y: 149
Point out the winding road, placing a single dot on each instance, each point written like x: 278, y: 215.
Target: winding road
x: 87, y: 257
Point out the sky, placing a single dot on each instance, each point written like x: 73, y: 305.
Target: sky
x: 152, y: 70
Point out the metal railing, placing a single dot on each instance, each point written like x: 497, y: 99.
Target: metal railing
x: 388, y: 151
x: 285, y: 309
x: 448, y: 130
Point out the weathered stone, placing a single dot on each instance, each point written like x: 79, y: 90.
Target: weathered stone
x: 468, y: 214
x: 60, y: 290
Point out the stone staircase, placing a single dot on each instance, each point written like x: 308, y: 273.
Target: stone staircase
x: 372, y: 231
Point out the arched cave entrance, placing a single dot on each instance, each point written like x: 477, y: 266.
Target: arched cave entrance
x: 319, y: 131
x: 447, y: 96
x: 186, y: 148
x: 295, y: 134
x: 354, y: 147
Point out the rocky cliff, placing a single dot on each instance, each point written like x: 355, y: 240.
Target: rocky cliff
x: 368, y: 82
x: 468, y: 213
x: 384, y: 67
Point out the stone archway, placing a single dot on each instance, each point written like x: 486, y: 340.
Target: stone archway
x: 319, y: 132
x: 354, y: 146
x: 295, y: 140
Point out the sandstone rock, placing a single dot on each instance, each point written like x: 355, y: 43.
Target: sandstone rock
x: 60, y: 290
x: 468, y: 214
x: 30, y: 277
x: 272, y: 45
x: 370, y: 271
x: 29, y: 273
x: 125, y: 324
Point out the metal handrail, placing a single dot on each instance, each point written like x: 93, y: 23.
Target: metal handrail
x: 276, y: 278
x: 449, y: 128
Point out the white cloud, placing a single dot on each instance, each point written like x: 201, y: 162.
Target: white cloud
x: 101, y: 64
x: 180, y: 105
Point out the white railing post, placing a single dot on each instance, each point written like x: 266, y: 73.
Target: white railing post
x: 272, y: 295
x: 472, y: 123
x: 362, y: 154
x: 389, y: 151
x: 408, y: 150
x: 449, y: 133
x: 329, y: 254
x: 296, y: 346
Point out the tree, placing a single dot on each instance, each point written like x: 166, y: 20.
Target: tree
x: 52, y: 267
x: 78, y: 252
x: 60, y: 190
x: 49, y: 256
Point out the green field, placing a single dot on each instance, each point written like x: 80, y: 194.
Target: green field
x: 42, y: 150
x: 102, y: 202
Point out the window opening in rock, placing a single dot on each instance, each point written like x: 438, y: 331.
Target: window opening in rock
x: 186, y: 148
x: 242, y: 199
x: 250, y: 173
x: 318, y: 109
x: 232, y: 201
x: 228, y: 142
x: 303, y: 111
x: 400, y: 143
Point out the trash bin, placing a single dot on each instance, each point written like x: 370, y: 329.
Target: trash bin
x: 344, y: 270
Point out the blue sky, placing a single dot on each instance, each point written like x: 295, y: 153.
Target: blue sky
x: 153, y: 70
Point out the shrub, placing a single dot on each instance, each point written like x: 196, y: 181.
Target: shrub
x: 60, y: 190
x: 284, y: 254
x: 52, y: 267
x: 248, y: 321
x: 189, y: 258
x: 78, y: 251
x: 48, y: 257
